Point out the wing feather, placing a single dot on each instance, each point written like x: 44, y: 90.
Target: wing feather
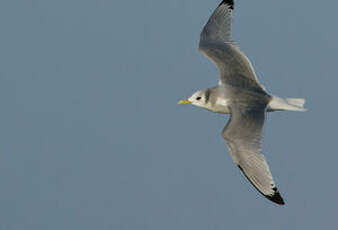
x: 216, y: 44
x: 243, y: 135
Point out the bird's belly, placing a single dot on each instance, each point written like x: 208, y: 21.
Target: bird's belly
x: 220, y: 106
x: 221, y: 109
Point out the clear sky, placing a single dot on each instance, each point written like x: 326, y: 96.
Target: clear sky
x: 91, y: 136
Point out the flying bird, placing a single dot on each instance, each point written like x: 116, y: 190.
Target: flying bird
x: 239, y: 94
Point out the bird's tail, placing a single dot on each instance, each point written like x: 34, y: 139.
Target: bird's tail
x: 290, y: 104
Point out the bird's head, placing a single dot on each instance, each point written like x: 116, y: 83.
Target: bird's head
x: 199, y: 98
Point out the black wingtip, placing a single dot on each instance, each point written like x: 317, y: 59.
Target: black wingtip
x: 276, y: 197
x: 228, y: 2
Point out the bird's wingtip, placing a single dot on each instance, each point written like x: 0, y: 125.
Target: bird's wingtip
x: 228, y: 2
x: 276, y: 197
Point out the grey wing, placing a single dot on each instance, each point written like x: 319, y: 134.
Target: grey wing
x: 243, y: 135
x: 215, y: 43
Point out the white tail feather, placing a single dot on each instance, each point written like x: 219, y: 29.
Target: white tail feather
x: 290, y: 104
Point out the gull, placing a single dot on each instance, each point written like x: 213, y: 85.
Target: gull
x: 239, y: 94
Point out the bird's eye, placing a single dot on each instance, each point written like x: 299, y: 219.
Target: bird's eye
x: 198, y: 98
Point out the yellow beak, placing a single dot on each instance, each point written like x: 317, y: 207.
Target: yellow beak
x: 182, y: 102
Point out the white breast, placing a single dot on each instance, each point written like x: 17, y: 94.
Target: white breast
x: 220, y: 106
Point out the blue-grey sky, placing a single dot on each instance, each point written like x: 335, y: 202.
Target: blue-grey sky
x: 92, y: 138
